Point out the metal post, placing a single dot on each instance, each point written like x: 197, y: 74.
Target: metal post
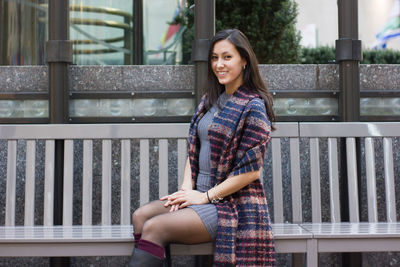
x: 348, y: 56
x: 3, y: 32
x: 128, y: 43
x: 138, y: 32
x: 59, y: 56
x: 204, y: 30
x: 204, y: 27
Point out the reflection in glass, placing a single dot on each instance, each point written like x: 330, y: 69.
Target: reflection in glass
x: 23, y: 32
x: 162, y: 39
x: 115, y: 107
x: 24, y: 109
x: 180, y: 107
x: 36, y: 109
x: 101, y: 32
x: 84, y: 107
x: 306, y: 106
x: 145, y: 107
x: 324, y: 106
x: 379, y: 106
x: 7, y: 108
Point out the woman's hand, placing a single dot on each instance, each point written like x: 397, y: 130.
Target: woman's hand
x: 184, y: 198
x: 168, y: 203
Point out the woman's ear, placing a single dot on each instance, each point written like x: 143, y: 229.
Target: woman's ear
x: 244, y: 63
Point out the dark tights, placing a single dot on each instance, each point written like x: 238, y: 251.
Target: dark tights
x: 158, y: 225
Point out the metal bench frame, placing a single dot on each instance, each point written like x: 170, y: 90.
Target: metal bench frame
x: 106, y: 239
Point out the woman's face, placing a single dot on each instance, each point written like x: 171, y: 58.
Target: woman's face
x: 227, y: 65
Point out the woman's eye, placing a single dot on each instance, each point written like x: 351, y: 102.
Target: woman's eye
x: 228, y: 57
x: 214, y: 58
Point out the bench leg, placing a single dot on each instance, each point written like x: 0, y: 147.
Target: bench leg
x: 312, y: 253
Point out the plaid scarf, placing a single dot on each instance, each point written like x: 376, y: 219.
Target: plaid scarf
x: 239, y: 135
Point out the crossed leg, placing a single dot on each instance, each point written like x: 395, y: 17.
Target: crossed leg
x: 158, y: 225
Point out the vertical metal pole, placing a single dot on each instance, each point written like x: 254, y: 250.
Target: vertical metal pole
x: 128, y: 43
x: 348, y: 56
x: 59, y: 56
x: 138, y: 32
x: 2, y: 31
x: 204, y: 27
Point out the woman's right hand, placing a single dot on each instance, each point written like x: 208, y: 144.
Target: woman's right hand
x: 174, y: 207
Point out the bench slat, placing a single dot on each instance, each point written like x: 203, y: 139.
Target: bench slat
x: 277, y: 179
x: 163, y: 167
x: 389, y: 180
x: 144, y: 171
x: 286, y: 129
x: 95, y: 131
x: 182, y: 147
x: 11, y: 182
x: 87, y: 185
x: 315, y: 180
x: 347, y: 129
x: 30, y: 183
x: 49, y: 183
x: 371, y: 179
x: 352, y: 179
x: 68, y: 182
x: 106, y: 183
x: 334, y: 180
x: 295, y: 179
x: 125, y: 182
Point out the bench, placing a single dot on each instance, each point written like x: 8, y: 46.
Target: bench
x: 122, y: 160
x: 370, y: 229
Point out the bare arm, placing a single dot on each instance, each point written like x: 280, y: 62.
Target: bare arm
x: 231, y: 185
x: 187, y: 177
x: 187, y: 185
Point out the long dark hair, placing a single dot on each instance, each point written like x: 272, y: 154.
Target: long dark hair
x: 251, y: 75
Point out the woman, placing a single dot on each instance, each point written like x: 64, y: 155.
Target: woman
x: 221, y: 198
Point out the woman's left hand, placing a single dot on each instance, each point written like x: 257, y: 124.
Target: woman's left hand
x: 184, y: 198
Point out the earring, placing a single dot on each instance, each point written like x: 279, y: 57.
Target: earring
x: 244, y: 67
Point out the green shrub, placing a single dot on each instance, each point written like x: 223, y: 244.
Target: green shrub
x: 320, y: 55
x: 269, y: 25
x: 326, y: 54
x: 381, y: 57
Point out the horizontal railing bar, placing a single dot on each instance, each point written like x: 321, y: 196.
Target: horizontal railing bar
x: 286, y: 129
x: 94, y: 131
x: 353, y: 129
x: 111, y: 131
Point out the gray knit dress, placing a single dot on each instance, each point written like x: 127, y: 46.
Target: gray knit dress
x: 207, y: 212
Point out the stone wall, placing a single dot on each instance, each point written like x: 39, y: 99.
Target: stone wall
x: 181, y: 78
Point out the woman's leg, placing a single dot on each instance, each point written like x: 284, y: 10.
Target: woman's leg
x: 183, y: 226
x: 160, y: 227
x: 145, y: 253
x: 146, y: 212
